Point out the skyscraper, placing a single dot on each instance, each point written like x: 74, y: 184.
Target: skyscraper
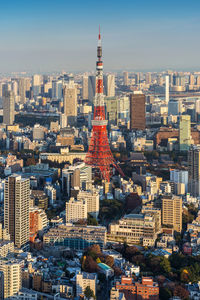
x: 148, y: 78
x: 172, y: 212
x: 85, y: 87
x: 167, y: 88
x: 191, y: 79
x: 198, y: 80
x: 57, y: 86
x: 16, y: 210
x: 126, y: 80
x: 194, y: 170
x: 70, y: 102
x: 109, y: 85
x: 8, y: 107
x: 137, y: 111
x: 184, y: 132
x: 36, y: 84
x: 91, y: 87
x: 24, y: 87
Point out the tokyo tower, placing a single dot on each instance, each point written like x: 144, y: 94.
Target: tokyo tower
x: 99, y: 154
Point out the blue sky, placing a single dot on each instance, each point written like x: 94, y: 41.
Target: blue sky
x: 45, y: 36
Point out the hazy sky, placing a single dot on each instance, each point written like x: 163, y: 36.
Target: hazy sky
x: 42, y: 36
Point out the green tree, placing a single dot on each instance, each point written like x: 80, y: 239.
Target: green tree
x: 165, y: 293
x: 165, y: 265
x: 89, y: 293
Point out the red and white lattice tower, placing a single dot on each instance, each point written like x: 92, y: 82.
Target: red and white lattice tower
x: 99, y: 154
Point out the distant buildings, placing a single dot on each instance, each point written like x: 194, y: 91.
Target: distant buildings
x: 109, y: 85
x: 57, y: 87
x: 137, y: 111
x: 36, y: 84
x: 194, y: 170
x: 70, y: 102
x: 85, y: 87
x: 172, y: 212
x: 184, y: 132
x: 126, y: 79
x: 91, y: 87
x: 167, y: 88
x: 16, y: 210
x: 8, y: 108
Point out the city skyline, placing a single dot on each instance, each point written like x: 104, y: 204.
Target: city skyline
x: 44, y: 37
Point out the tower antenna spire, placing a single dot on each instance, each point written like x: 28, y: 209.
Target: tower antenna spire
x: 99, y: 32
x: 99, y: 155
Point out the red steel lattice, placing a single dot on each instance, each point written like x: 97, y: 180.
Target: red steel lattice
x: 99, y: 154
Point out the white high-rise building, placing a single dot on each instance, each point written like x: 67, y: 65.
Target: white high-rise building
x: 167, y: 88
x: 8, y: 108
x: 83, y: 280
x: 109, y: 85
x: 91, y: 87
x: 70, y: 102
x: 12, y: 276
x: 85, y: 87
x: 16, y: 210
x: 36, y: 84
x: 24, y: 87
x: 92, y: 200
x: 57, y: 86
x: 75, y: 210
x: 179, y: 176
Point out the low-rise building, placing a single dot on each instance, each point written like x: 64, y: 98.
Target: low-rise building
x: 146, y: 289
x: 134, y: 228
x: 76, y: 237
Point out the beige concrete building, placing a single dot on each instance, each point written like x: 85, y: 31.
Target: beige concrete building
x: 8, y: 108
x: 70, y: 102
x: 6, y: 247
x: 12, y: 276
x: 83, y: 280
x: 16, y: 210
x: 4, y: 233
x: 76, y: 210
x: 85, y: 87
x: 24, y: 85
x: 156, y: 212
x: 92, y: 200
x: 62, y: 157
x: 172, y: 212
x: 134, y: 228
